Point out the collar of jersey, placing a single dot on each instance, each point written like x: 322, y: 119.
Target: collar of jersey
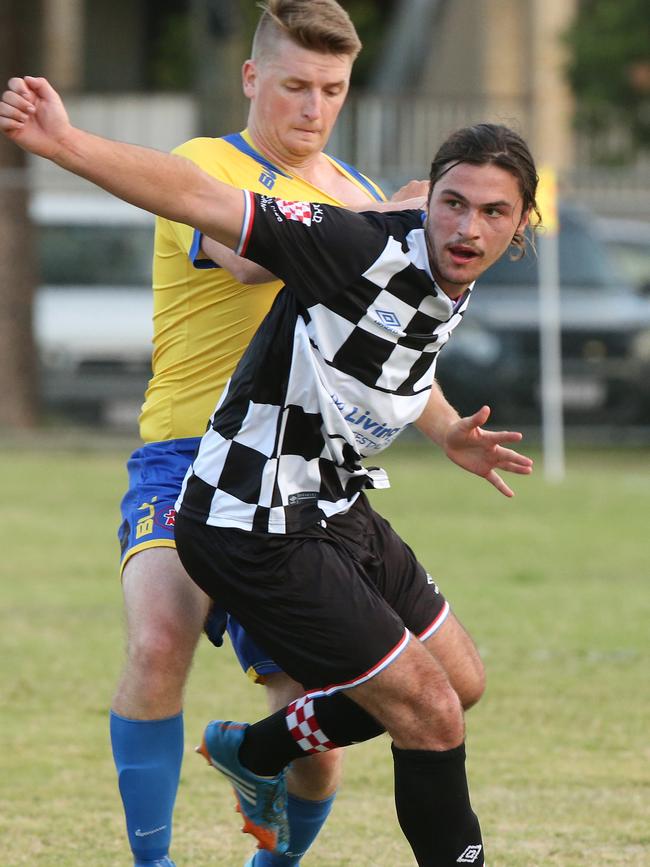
x: 241, y: 141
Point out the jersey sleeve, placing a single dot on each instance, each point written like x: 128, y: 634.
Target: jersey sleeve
x: 315, y: 249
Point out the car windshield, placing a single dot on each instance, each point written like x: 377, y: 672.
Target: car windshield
x: 92, y: 255
x: 583, y: 261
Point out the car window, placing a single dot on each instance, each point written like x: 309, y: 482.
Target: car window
x: 583, y: 261
x: 91, y: 255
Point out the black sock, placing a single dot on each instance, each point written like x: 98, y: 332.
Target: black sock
x: 433, y: 807
x: 305, y: 727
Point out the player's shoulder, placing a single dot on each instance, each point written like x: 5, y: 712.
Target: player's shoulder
x: 202, y: 147
x: 362, y: 180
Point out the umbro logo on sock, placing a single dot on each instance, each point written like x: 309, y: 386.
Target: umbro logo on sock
x: 140, y: 833
x: 470, y: 855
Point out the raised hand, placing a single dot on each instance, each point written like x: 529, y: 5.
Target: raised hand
x: 482, y: 452
x: 33, y: 116
x: 411, y: 195
x: 411, y: 190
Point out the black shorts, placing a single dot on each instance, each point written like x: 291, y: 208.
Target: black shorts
x: 332, y: 604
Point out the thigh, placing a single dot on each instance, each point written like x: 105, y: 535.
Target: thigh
x: 162, y: 603
x: 414, y: 701
x: 402, y: 580
x: 305, y: 600
x: 453, y: 647
x: 415, y: 595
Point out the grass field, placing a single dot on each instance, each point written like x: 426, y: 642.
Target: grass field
x: 553, y: 585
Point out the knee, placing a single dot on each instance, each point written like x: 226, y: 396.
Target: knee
x: 443, y: 710
x: 317, y: 777
x: 472, y: 688
x: 431, y: 719
x: 160, y: 647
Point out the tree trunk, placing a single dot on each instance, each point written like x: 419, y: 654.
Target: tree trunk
x: 18, y: 360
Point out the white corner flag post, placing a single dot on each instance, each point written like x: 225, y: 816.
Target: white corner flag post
x: 550, y: 329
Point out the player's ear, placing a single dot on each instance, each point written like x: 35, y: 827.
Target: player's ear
x: 523, y: 222
x: 248, y: 78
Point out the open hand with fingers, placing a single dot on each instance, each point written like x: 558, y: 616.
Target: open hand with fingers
x: 484, y: 452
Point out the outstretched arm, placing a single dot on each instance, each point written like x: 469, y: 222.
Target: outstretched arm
x: 33, y: 116
x: 412, y: 196
x: 465, y: 442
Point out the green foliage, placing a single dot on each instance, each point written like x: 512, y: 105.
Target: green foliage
x: 552, y: 584
x: 170, y: 66
x: 370, y: 18
x: 610, y: 73
x: 169, y: 50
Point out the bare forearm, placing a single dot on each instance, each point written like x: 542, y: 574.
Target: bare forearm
x: 437, y: 417
x: 129, y: 172
x: 416, y: 204
x: 243, y: 270
x: 164, y: 184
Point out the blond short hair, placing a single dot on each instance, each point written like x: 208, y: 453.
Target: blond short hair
x: 317, y: 25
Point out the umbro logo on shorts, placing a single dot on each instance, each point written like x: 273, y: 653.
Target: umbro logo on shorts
x: 470, y: 855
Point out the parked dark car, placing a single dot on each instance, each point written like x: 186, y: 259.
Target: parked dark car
x: 628, y: 242
x: 494, y: 356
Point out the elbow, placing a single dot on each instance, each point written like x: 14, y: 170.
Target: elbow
x: 249, y: 274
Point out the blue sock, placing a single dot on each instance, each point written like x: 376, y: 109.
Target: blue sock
x: 148, y: 756
x: 306, y: 818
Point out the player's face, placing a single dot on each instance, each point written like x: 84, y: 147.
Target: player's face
x: 296, y: 96
x: 474, y: 212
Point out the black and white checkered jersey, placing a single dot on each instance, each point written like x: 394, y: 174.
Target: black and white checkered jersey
x: 343, y: 362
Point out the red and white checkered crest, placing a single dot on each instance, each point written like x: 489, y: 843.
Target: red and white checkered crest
x: 300, y: 211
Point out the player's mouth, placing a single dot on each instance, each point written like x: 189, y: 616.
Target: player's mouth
x: 462, y: 254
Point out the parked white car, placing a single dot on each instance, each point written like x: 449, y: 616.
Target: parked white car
x: 93, y: 307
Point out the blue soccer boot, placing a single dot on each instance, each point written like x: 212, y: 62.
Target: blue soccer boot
x: 262, y: 801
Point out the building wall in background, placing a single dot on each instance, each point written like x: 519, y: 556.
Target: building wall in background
x: 495, y: 60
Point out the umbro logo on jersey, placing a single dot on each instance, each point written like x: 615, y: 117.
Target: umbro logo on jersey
x: 388, y: 319
x: 470, y: 855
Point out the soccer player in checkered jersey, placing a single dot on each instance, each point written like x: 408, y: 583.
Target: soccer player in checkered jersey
x: 273, y: 519
x: 205, y: 315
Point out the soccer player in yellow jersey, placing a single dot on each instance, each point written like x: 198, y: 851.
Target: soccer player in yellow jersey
x: 208, y: 304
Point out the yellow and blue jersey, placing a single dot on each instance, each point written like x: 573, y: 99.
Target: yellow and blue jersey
x: 203, y: 317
